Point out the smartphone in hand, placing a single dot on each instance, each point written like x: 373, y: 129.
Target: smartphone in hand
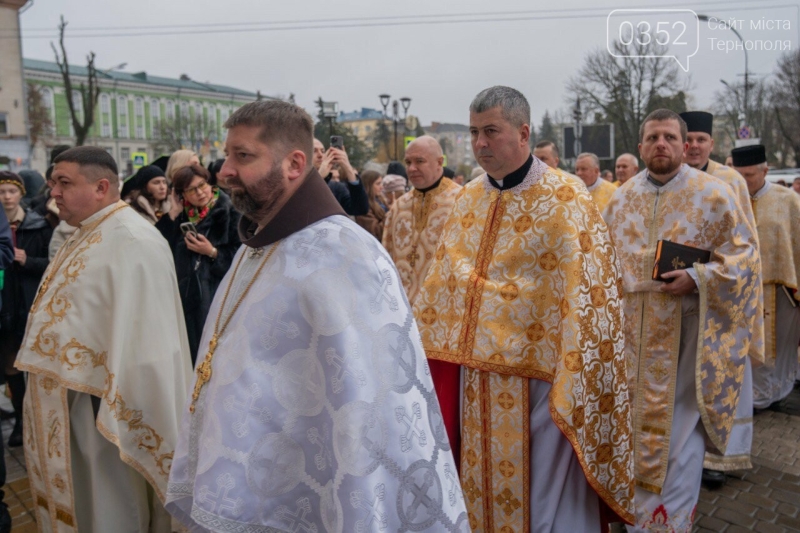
x: 188, y: 227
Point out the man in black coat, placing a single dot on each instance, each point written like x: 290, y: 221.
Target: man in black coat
x: 349, y: 192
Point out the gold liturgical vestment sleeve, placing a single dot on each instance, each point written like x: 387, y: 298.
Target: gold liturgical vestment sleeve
x: 736, y: 182
x: 697, y: 210
x: 525, y: 284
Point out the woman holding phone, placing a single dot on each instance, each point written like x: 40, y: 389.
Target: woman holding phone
x: 201, y: 228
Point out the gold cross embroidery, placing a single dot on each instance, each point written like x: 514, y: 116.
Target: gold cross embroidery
x: 413, y: 256
x: 203, y: 371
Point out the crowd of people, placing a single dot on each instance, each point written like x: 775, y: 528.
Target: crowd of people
x: 280, y: 342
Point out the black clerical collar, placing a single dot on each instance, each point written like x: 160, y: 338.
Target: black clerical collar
x: 654, y: 181
x: 705, y: 167
x: 657, y: 183
x: 432, y: 187
x: 515, y: 178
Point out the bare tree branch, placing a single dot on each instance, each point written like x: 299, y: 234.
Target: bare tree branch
x: 89, y: 96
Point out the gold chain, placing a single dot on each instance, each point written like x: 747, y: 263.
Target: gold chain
x: 64, y: 252
x: 204, y: 368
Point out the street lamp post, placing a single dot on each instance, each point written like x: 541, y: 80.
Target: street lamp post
x: 330, y: 110
x: 705, y: 18
x: 577, y: 114
x: 406, y: 103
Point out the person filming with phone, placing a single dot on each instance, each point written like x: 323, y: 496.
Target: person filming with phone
x: 348, y: 189
x: 201, y: 230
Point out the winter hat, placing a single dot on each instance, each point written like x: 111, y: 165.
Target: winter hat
x: 394, y: 183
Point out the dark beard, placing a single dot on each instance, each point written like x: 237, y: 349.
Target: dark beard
x: 259, y: 201
x: 662, y: 167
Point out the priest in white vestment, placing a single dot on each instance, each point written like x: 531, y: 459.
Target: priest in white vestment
x: 313, y: 407
x: 699, y: 129
x: 686, y: 340
x: 107, y: 360
x: 777, y: 214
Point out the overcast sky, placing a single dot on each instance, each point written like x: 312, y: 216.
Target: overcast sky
x: 440, y: 65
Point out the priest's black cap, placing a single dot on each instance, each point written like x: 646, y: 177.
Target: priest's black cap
x: 161, y: 162
x: 396, y: 167
x: 698, y: 121
x: 747, y: 156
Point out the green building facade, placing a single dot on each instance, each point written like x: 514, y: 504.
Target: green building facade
x: 131, y: 109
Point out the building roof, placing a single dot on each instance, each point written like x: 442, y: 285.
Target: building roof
x: 366, y: 113
x: 138, y: 77
x: 438, y: 127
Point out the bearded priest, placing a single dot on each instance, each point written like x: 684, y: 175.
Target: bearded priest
x: 523, y: 294
x: 107, y: 359
x: 687, y: 323
x: 312, y: 409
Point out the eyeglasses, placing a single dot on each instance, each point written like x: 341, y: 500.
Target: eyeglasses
x: 194, y: 190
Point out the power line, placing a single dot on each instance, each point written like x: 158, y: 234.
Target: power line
x: 367, y: 22
x: 605, y: 11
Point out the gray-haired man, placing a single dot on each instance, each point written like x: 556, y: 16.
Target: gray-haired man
x: 522, y: 299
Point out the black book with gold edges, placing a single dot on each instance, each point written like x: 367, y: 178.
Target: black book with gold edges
x: 673, y: 256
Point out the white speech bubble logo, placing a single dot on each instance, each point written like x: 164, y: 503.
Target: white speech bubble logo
x: 665, y: 27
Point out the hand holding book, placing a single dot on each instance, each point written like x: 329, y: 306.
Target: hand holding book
x: 671, y: 256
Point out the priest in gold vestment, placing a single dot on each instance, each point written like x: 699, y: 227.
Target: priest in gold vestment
x: 587, y: 168
x: 699, y: 129
x: 777, y: 212
x: 523, y: 293
x: 687, y: 341
x: 416, y: 219
x: 107, y: 360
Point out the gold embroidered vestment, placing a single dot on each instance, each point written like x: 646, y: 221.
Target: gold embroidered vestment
x: 524, y: 285
x: 698, y: 210
x: 601, y: 192
x: 107, y: 322
x: 412, y: 231
x: 777, y: 213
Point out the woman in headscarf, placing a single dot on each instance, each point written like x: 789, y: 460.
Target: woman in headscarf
x: 394, y: 186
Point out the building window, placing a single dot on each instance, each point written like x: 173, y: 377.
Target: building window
x: 223, y: 118
x: 122, y: 117
x: 169, y: 110
x: 105, y: 115
x: 368, y: 128
x: 138, y: 111
x: 212, y: 120
x: 185, y: 119
x: 155, y: 116
x: 125, y: 156
x: 3, y: 124
x: 47, y: 100
x: 77, y: 105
